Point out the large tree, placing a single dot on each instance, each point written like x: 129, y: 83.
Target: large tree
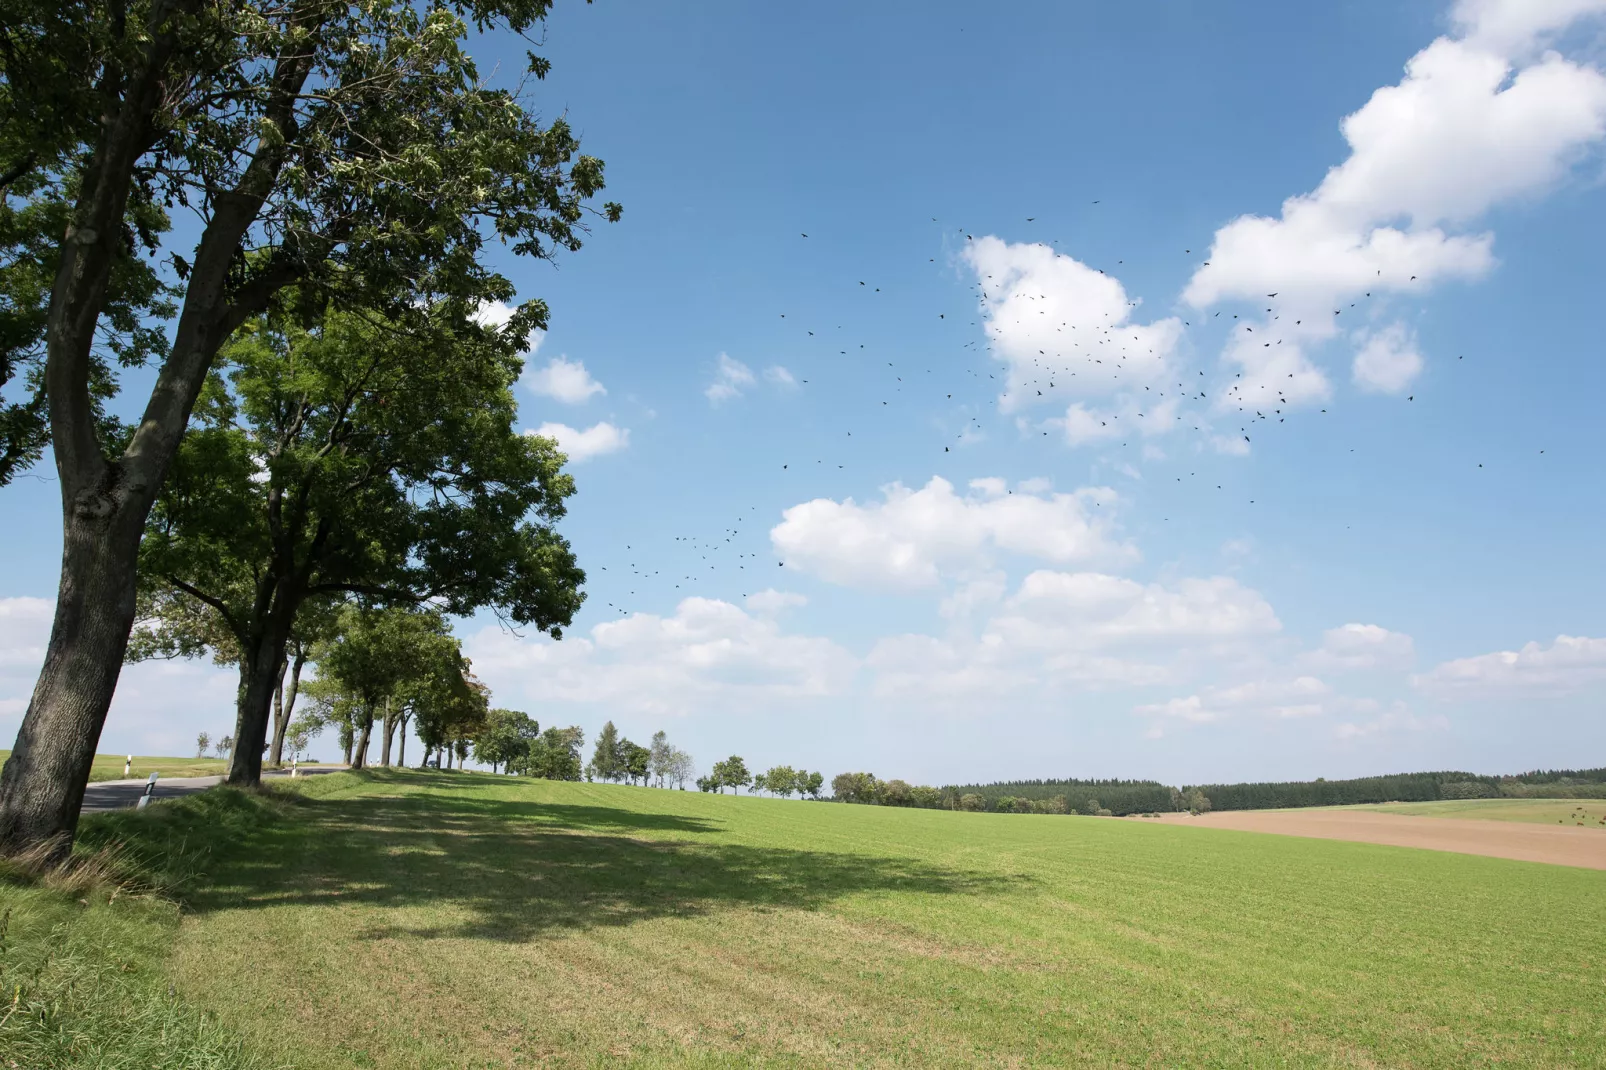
x: 347, y: 150
x: 356, y: 457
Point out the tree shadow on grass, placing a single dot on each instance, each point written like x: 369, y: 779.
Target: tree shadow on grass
x: 507, y: 870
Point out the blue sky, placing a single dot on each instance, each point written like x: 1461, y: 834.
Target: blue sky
x: 875, y: 546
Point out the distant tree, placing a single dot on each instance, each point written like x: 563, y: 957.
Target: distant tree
x: 505, y: 740
x: 924, y: 796
x: 707, y: 783
x: 811, y: 783
x: 225, y: 746
x: 555, y: 755
x: 856, y: 787
x: 781, y: 780
x: 203, y: 743
x: 634, y: 760
x: 659, y: 753
x: 732, y: 773
x: 607, y: 763
x: 680, y: 767
x: 1197, y: 801
x: 971, y: 801
x: 298, y: 734
x: 895, y: 792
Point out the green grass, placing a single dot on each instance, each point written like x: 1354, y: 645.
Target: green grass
x: 428, y: 920
x: 110, y: 766
x: 1589, y: 812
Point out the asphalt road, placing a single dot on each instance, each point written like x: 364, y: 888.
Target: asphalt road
x: 120, y: 794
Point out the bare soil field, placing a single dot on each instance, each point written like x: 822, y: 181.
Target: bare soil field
x: 1556, y: 844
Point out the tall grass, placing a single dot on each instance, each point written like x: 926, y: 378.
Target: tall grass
x: 85, y: 943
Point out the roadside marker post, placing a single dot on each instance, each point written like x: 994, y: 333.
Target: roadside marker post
x: 127, y: 766
x: 293, y: 770
x: 145, y: 799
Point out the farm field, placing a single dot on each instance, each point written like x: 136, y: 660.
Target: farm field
x: 110, y: 766
x: 1565, y: 844
x: 405, y: 919
x: 1592, y: 812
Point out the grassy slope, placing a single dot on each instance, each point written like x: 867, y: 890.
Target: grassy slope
x: 434, y: 920
x: 110, y: 766
x: 1590, y: 812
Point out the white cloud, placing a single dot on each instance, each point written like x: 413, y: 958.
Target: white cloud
x: 1071, y: 631
x: 1081, y: 425
x: 564, y: 380
x: 1568, y: 664
x: 1396, y: 719
x: 1284, y: 699
x: 1478, y: 120
x: 595, y: 441
x: 1363, y: 646
x: 1387, y: 362
x: 778, y: 375
x: 708, y: 655
x: 1081, y: 610
x: 158, y: 708
x: 1516, y: 27
x: 497, y: 313
x: 731, y: 377
x: 1062, y: 328
x: 912, y: 537
x: 769, y: 602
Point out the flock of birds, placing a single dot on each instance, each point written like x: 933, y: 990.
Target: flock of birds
x: 1112, y: 353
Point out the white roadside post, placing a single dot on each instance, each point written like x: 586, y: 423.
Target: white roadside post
x: 294, y: 761
x: 127, y: 766
x: 145, y: 799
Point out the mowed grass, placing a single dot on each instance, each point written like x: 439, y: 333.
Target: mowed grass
x: 1588, y: 812
x: 110, y: 766
x: 464, y: 920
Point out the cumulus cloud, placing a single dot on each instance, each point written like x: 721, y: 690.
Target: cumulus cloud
x: 1299, y: 697
x: 158, y: 708
x: 1071, y: 630
x: 731, y: 377
x: 1479, y: 119
x: 1081, y: 610
x: 911, y: 538
x: 1064, y: 329
x: 1568, y: 664
x: 564, y: 380
x: 708, y: 655
x: 595, y: 441
x: 769, y: 602
x: 1363, y: 646
x: 1387, y: 362
x: 778, y: 375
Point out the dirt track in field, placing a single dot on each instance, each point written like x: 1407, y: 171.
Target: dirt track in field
x: 1562, y: 845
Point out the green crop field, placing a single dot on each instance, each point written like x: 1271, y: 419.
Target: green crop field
x: 110, y: 766
x: 463, y: 920
x: 1588, y: 812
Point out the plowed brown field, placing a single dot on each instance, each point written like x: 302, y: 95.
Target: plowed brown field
x: 1559, y: 845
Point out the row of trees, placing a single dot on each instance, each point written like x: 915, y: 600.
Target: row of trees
x: 615, y: 758
x: 330, y: 426
x: 1406, y: 787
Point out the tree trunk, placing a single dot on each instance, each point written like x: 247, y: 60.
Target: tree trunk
x: 359, y: 758
x: 276, y: 755
x: 42, y: 784
x: 262, y: 659
x: 278, y: 709
x: 390, y: 732
x: 401, y: 759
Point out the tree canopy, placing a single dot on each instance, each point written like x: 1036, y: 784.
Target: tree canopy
x: 330, y: 157
x: 354, y: 457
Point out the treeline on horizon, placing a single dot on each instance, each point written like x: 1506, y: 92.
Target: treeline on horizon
x: 1124, y: 797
